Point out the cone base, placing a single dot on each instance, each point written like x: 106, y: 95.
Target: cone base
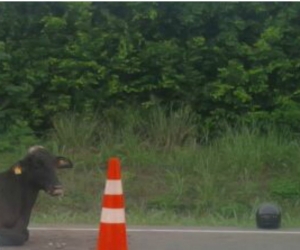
x: 112, y: 237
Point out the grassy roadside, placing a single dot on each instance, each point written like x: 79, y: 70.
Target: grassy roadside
x: 157, y: 218
x: 168, y: 178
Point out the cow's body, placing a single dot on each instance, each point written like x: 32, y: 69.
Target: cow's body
x: 19, y: 187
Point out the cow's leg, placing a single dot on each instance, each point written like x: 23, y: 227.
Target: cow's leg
x: 15, y: 236
x: 21, y: 226
x: 10, y: 237
x: 26, y: 234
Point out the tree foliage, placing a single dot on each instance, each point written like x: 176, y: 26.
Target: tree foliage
x: 228, y: 61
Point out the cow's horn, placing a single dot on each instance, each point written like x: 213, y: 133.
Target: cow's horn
x: 34, y: 149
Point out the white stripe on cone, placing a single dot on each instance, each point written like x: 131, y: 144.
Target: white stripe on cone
x: 113, y: 215
x: 113, y: 187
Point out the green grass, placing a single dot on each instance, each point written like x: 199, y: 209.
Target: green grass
x: 158, y: 218
x: 168, y: 178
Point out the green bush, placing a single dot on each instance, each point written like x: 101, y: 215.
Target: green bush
x: 17, y: 137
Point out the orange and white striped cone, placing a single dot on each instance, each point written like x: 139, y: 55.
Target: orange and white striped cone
x: 112, y: 228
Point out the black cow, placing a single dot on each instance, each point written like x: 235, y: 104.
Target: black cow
x: 19, y: 187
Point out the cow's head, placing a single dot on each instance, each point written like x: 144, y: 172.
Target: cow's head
x: 38, y: 168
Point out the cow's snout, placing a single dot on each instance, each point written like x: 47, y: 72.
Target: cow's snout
x: 56, y: 190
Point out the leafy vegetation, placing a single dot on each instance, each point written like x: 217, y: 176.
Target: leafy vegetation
x: 226, y: 61
x: 200, y: 101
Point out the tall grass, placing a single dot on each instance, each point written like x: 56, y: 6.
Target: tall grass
x: 74, y: 131
x: 172, y: 128
x: 166, y: 172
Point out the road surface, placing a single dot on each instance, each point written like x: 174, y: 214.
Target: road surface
x: 164, y: 238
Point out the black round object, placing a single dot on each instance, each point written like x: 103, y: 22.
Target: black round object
x: 268, y: 216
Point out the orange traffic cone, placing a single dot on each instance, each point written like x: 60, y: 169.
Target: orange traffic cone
x: 112, y: 228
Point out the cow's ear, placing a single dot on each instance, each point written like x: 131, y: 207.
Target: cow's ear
x: 63, y: 162
x: 17, y: 169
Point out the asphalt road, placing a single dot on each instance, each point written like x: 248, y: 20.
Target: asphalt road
x: 215, y: 239
x: 166, y: 238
